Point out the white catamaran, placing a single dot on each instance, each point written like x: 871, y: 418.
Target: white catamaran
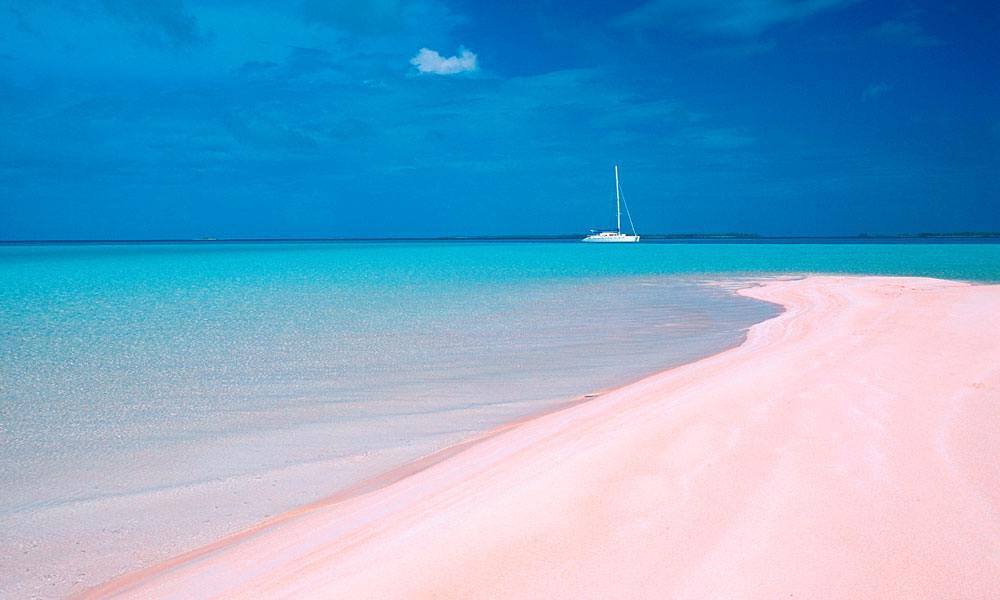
x: 616, y: 235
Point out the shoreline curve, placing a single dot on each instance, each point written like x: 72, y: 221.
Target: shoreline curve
x: 838, y: 451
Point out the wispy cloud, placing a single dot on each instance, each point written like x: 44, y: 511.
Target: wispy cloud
x: 875, y: 90
x: 430, y: 61
x: 388, y: 20
x: 365, y: 16
x: 160, y: 21
x: 724, y: 17
x: 906, y: 29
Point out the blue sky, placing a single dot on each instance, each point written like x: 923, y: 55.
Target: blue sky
x: 177, y: 118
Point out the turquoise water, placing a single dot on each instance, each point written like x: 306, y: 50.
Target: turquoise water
x: 478, y: 261
x: 155, y: 397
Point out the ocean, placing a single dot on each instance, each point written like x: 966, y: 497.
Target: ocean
x: 155, y: 397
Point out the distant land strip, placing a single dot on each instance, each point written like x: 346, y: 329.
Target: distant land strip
x: 987, y: 236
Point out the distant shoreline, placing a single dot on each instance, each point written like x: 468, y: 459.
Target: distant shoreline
x: 984, y: 237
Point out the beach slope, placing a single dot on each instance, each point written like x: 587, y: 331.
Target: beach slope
x: 848, y: 448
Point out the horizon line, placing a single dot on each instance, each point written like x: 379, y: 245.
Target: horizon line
x: 731, y: 236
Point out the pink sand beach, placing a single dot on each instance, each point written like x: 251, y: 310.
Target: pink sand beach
x: 847, y: 449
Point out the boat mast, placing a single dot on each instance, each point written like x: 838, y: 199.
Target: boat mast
x: 618, y: 200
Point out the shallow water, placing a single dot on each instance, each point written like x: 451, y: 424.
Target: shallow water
x: 156, y: 397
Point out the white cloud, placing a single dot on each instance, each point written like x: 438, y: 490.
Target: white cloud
x: 430, y: 61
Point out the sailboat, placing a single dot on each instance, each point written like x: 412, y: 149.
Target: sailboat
x: 616, y: 235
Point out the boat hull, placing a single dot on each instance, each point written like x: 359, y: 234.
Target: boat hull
x: 601, y: 238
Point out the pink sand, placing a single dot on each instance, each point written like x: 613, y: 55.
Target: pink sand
x: 849, y: 448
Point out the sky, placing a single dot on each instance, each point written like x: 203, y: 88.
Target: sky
x: 141, y: 119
